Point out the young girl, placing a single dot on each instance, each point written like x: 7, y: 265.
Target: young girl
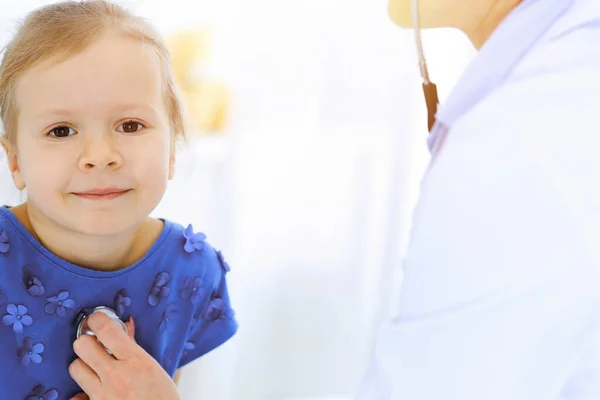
x: 91, y: 117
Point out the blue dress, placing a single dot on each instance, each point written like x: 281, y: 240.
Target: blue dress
x: 176, y: 294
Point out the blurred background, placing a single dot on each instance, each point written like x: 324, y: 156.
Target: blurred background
x: 304, y: 168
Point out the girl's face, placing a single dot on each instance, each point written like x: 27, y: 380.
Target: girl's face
x: 94, y: 146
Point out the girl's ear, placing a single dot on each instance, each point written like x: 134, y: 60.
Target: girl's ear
x: 13, y: 163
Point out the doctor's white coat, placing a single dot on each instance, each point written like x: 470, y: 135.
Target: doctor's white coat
x: 501, y: 295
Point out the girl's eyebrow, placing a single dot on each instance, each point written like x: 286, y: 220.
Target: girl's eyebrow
x: 66, y: 112
x: 134, y: 106
x: 46, y: 113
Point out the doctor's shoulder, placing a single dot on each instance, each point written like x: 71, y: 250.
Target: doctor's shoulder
x: 546, y: 107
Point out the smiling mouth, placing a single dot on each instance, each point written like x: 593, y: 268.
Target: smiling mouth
x: 102, y: 194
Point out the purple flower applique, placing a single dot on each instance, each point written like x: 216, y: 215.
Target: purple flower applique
x: 35, y: 286
x: 159, y: 288
x: 122, y: 300
x: 30, y: 353
x: 17, y: 317
x: 192, y: 289
x: 223, y: 263
x: 58, y: 304
x: 189, y: 346
x: 4, y: 244
x: 40, y: 393
x: 216, y: 310
x: 193, y: 241
x: 168, y: 315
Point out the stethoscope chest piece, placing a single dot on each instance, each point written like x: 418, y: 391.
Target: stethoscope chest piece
x: 83, y: 328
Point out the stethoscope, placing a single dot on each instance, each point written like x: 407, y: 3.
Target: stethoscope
x: 429, y: 88
x: 83, y: 328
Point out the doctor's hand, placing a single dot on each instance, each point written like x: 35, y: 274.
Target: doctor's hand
x: 130, y: 374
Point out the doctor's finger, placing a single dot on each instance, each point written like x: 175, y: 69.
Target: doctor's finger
x: 85, y: 377
x: 112, y: 336
x: 93, y: 354
x: 80, y: 396
x: 131, y: 327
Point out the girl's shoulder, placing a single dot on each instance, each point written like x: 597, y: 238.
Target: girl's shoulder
x: 190, y: 279
x: 189, y: 253
x: 8, y: 230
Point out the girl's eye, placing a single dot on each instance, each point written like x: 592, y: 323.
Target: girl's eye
x: 130, y: 127
x: 61, y: 132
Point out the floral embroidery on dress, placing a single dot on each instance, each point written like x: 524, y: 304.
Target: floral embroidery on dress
x: 17, y: 317
x: 58, y: 304
x: 216, y: 310
x: 192, y: 289
x: 193, y: 241
x: 40, y: 393
x: 224, y: 264
x: 34, y: 286
x: 122, y: 301
x: 189, y: 346
x: 159, y: 288
x: 30, y: 353
x: 4, y: 242
x: 169, y: 314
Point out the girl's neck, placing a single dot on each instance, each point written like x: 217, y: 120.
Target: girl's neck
x: 104, y: 253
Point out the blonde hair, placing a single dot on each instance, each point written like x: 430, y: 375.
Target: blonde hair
x: 61, y: 30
